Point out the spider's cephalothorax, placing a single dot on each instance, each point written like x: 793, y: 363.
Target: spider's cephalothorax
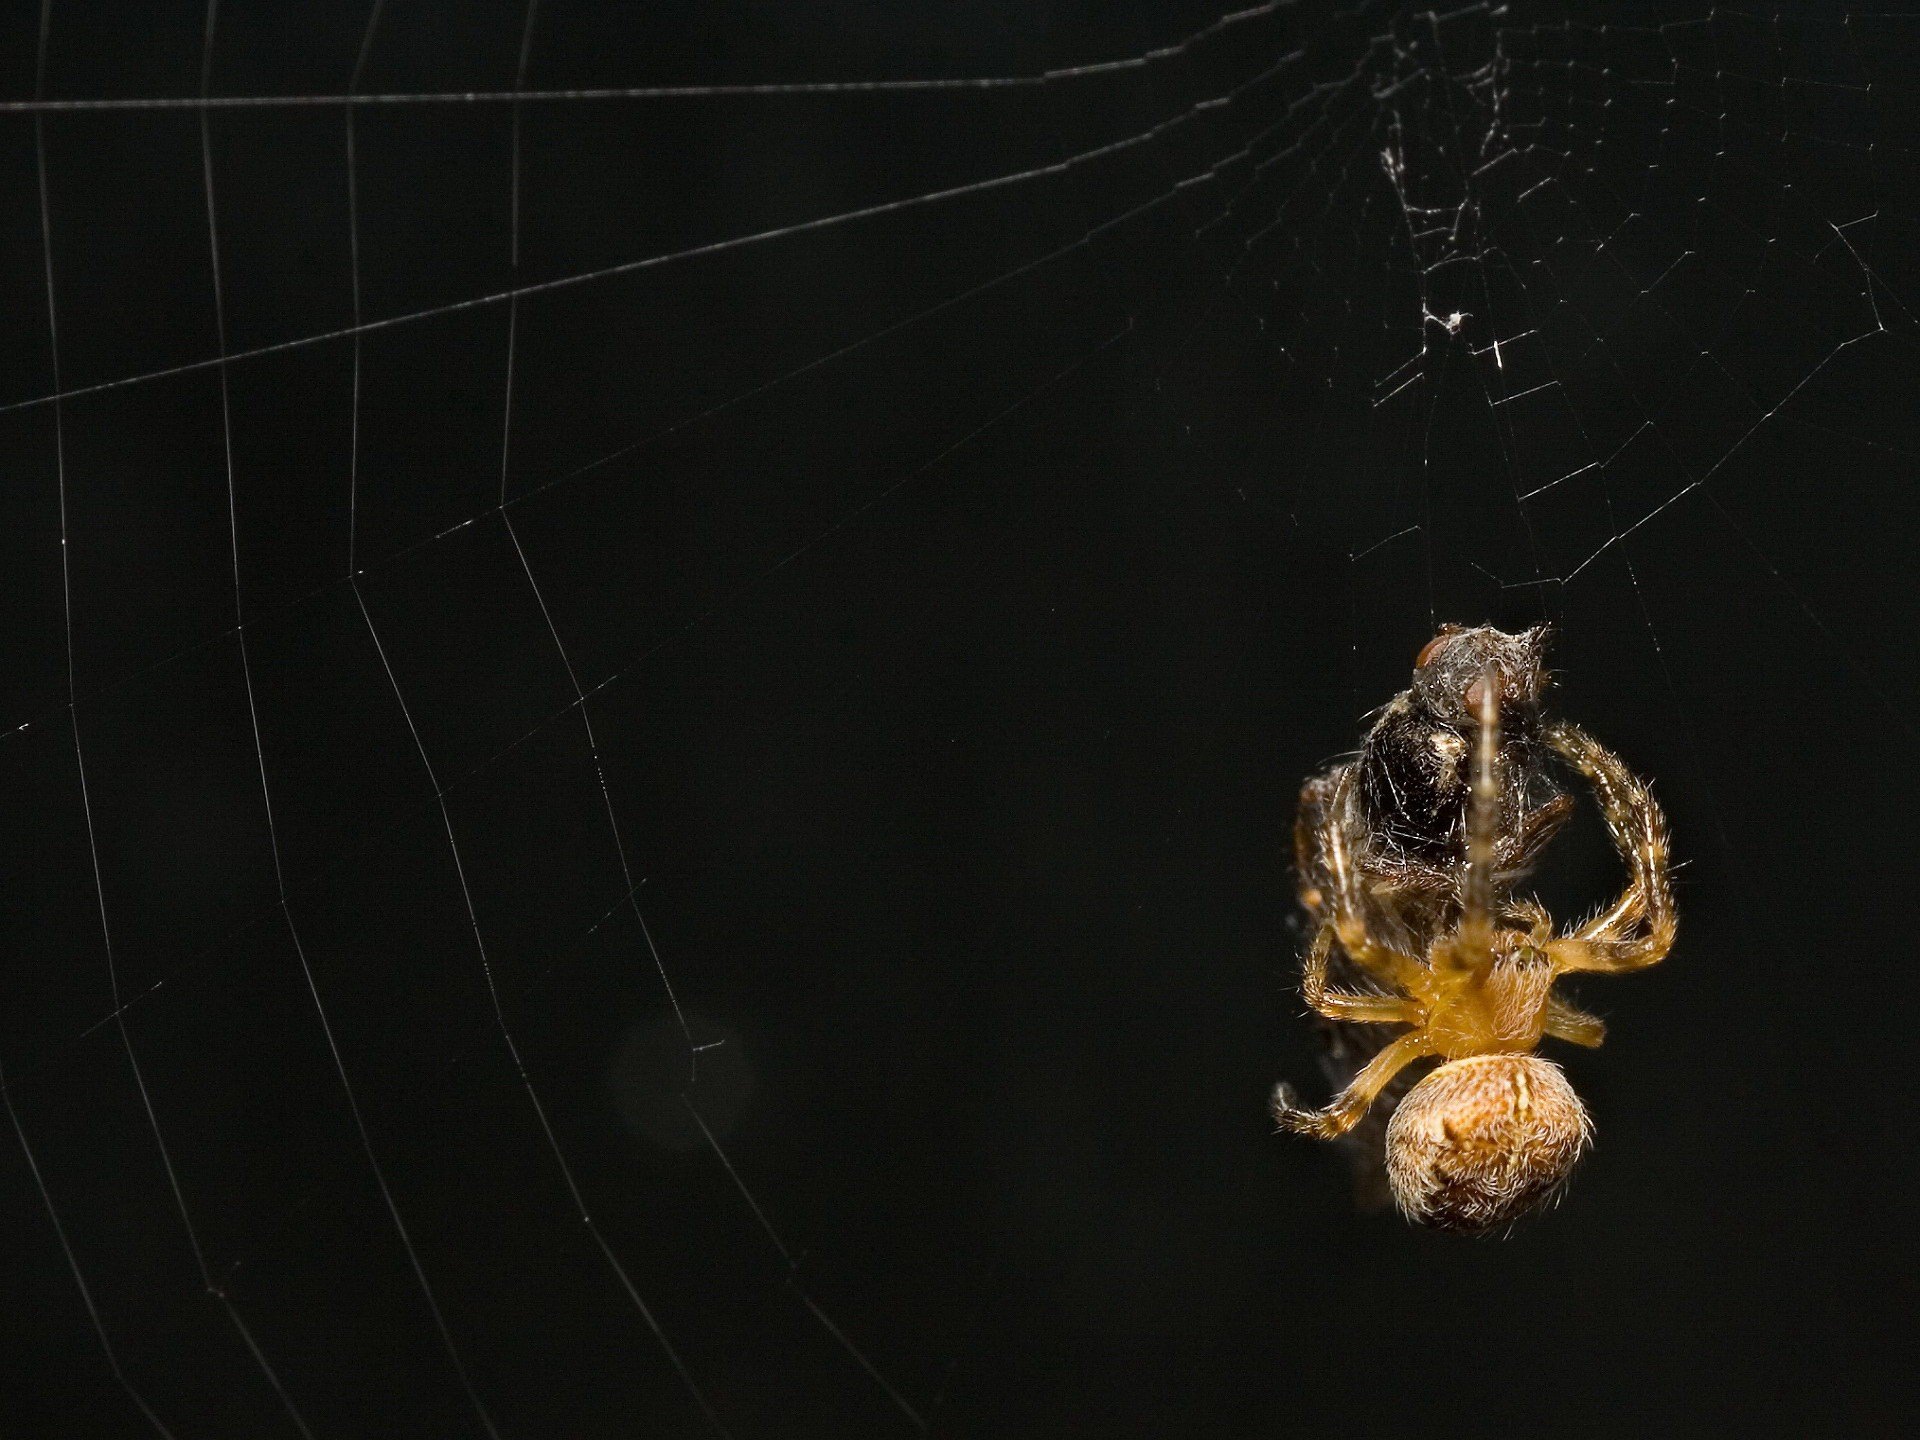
x: 1414, y: 904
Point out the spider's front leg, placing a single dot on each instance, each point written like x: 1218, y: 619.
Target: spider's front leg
x: 1473, y: 939
x: 1352, y: 1103
x: 1309, y: 831
x: 1639, y: 830
x: 1347, y: 909
x: 1344, y: 1004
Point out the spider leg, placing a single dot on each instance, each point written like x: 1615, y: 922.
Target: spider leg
x: 1568, y: 1022
x: 1473, y: 947
x: 1639, y: 830
x: 1351, y: 1104
x: 1316, y: 800
x: 1532, y: 916
x: 1345, y: 1005
x: 1617, y: 920
x: 1348, y: 911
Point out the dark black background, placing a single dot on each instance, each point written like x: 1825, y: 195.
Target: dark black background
x: 951, y: 695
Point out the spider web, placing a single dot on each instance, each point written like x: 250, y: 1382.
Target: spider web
x: 659, y: 663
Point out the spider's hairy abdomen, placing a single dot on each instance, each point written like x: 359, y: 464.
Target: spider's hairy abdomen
x: 1479, y: 1142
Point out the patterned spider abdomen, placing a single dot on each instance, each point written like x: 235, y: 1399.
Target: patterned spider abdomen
x: 1481, y: 1141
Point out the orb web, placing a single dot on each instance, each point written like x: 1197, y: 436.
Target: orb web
x: 632, y: 633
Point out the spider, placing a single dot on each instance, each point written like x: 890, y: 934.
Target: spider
x: 1424, y: 917
x: 1405, y: 815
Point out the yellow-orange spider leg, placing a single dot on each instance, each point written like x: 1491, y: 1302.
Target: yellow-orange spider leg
x: 1570, y: 1023
x: 1532, y: 916
x: 1345, y: 1005
x: 1471, y: 946
x: 1347, y: 916
x: 1351, y: 1104
x: 1639, y: 830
